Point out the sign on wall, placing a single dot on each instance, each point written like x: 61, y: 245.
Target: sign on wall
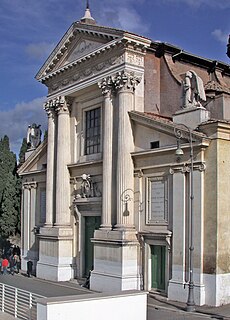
x: 157, y: 199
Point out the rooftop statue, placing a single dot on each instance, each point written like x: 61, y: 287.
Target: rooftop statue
x: 33, y: 136
x: 192, y: 90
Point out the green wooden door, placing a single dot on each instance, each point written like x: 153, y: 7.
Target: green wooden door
x: 158, y: 267
x: 91, y: 223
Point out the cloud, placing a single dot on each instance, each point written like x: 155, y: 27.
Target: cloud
x: 39, y: 51
x: 218, y: 4
x: 220, y: 35
x: 15, y: 121
x: 122, y: 15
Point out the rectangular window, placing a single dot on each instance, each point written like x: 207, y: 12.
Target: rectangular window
x: 92, y: 131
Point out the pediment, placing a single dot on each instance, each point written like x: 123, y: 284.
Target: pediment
x: 83, y: 47
x: 35, y: 161
x: 157, y: 128
x: 79, y: 41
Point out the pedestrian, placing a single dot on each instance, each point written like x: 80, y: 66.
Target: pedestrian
x: 17, y: 262
x: 12, y: 264
x: 29, y: 268
x: 5, y: 264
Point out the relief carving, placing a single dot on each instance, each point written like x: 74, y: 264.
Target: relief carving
x: 135, y: 59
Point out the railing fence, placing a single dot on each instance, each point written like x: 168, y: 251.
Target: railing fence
x: 19, y: 303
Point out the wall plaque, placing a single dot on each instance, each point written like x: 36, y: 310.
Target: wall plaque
x: 157, y: 200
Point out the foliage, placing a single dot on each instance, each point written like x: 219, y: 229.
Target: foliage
x: 7, y: 163
x: 22, y: 152
x: 10, y: 191
x: 8, y: 210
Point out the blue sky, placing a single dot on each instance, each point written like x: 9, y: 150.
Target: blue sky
x: 30, y: 29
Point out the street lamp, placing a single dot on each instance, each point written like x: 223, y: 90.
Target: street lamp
x: 179, y: 152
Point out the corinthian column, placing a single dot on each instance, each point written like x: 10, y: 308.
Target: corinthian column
x: 63, y: 158
x: 50, y: 181
x: 125, y: 84
x: 106, y: 88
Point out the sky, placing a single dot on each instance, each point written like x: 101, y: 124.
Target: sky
x: 30, y: 30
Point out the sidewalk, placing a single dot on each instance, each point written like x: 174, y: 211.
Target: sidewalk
x: 55, y: 289
x: 6, y: 316
x: 158, y: 301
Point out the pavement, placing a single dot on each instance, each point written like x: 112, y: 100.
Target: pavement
x: 159, y: 307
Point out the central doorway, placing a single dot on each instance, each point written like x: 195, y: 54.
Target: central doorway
x: 92, y: 223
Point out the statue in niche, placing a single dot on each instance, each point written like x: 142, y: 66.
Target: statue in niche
x: 192, y: 90
x: 86, y: 186
x: 33, y: 136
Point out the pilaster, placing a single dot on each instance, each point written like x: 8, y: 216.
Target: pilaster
x: 106, y: 86
x: 50, y: 178
x: 125, y: 84
x: 63, y: 158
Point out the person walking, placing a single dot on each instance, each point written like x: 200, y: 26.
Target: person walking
x: 12, y: 264
x: 29, y: 268
x: 5, y: 264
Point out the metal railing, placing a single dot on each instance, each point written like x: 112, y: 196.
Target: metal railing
x: 19, y: 303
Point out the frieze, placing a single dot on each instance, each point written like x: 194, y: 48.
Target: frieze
x: 135, y: 59
x: 82, y: 74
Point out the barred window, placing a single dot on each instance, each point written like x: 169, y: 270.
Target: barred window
x: 92, y: 131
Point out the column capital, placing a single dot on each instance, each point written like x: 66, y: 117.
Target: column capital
x: 126, y: 81
x: 106, y: 86
x: 29, y: 185
x: 61, y: 104
x: 48, y: 106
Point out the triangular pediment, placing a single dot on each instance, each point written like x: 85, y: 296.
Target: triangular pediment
x: 79, y: 41
x: 156, y: 129
x: 82, y: 47
x: 35, y: 160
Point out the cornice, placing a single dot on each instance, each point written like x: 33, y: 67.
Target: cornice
x: 163, y: 124
x: 133, y: 53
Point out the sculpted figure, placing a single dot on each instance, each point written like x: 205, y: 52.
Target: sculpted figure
x: 33, y: 136
x: 192, y: 90
x: 86, y: 186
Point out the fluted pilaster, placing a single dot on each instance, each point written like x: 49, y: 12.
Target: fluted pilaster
x: 106, y: 87
x: 50, y: 179
x: 125, y: 85
x: 63, y: 158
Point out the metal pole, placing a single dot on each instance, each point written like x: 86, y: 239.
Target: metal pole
x: 190, y: 302
x: 190, y: 305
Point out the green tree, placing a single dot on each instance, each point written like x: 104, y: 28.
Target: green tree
x: 9, y: 207
x: 22, y: 152
x: 8, y: 163
x: 10, y: 190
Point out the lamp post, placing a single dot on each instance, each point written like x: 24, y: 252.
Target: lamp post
x: 179, y: 152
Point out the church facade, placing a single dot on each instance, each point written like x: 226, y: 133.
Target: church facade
x: 132, y: 181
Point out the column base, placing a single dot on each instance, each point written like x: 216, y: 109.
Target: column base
x: 55, y: 254
x: 116, y: 261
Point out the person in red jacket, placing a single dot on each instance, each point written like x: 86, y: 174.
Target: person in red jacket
x: 5, y: 264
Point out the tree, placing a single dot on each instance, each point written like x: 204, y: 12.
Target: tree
x: 22, y: 152
x: 8, y: 163
x: 9, y: 207
x: 10, y: 190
